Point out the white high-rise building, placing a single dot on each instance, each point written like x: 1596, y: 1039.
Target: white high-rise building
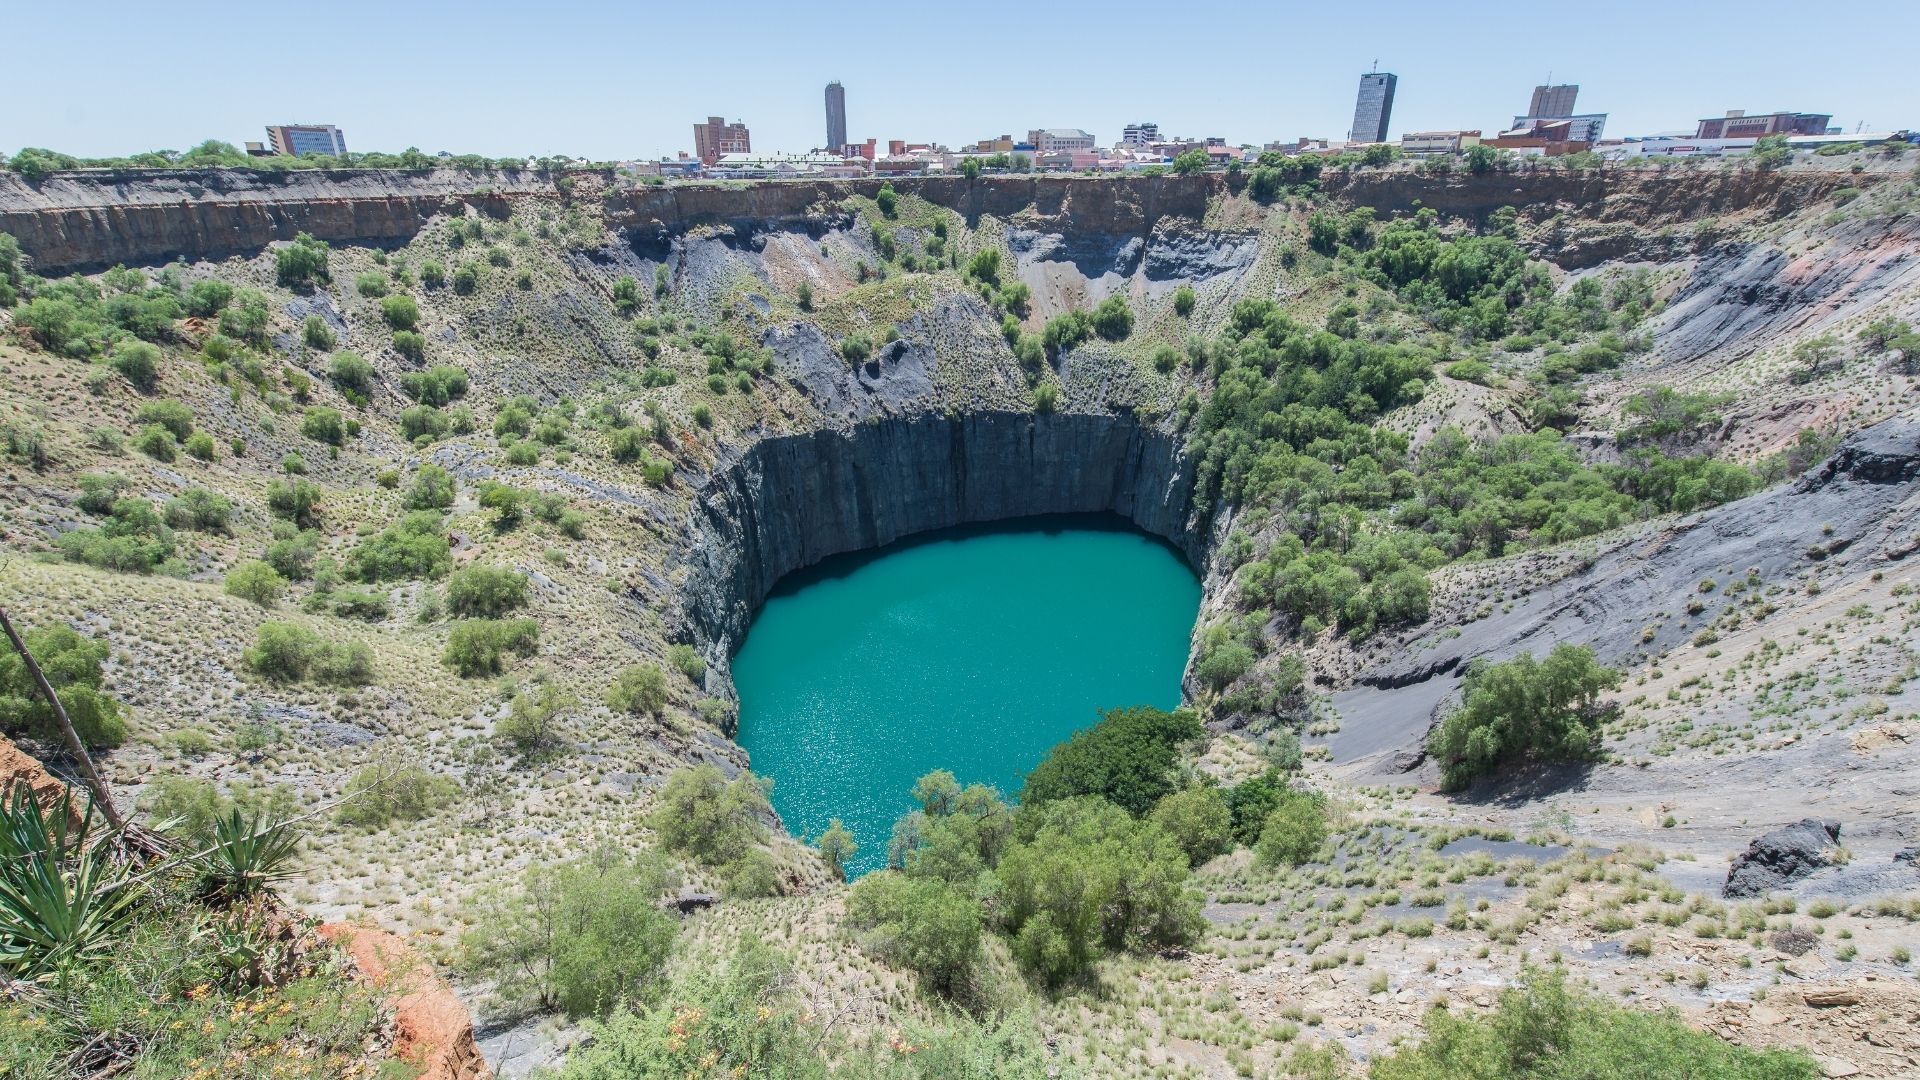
x: 1140, y: 135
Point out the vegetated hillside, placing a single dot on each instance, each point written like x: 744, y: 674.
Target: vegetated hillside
x: 467, y: 506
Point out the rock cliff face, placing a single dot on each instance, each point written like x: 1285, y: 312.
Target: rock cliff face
x: 789, y: 502
x: 93, y: 219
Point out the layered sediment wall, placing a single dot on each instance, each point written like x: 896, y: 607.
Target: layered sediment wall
x: 788, y: 502
x: 95, y: 218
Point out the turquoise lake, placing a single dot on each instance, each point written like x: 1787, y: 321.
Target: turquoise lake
x: 973, y: 650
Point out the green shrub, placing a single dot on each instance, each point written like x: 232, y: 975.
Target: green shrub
x: 1293, y: 830
x: 302, y: 263
x: 1085, y: 876
x: 688, y: 663
x: 351, y: 373
x: 157, y: 443
x: 751, y: 876
x: 1543, y: 1030
x: 580, y: 937
x: 925, y: 926
x: 638, y: 689
x: 432, y: 489
x: 700, y: 814
x: 413, y: 547
x: 325, y: 425
x: 836, y: 845
x: 282, y: 651
x: 856, y: 348
x: 138, y: 363
x: 1198, y: 820
x: 532, y: 723
x: 247, y: 318
x: 439, y: 385
x: 133, y: 538
x: 297, y: 501
x: 411, y: 345
x: 400, y: 311
x: 372, y: 284
x: 176, y: 418
x: 485, y: 591
x: 199, y: 446
x: 1522, y: 709
x: 1127, y: 758
x: 378, y: 795
x: 204, y: 299
x: 316, y: 334
x: 198, y: 508
x: 1113, y: 318
x: 255, y: 581
x: 72, y: 666
x: 292, y: 556
x: 417, y: 421
x: 481, y: 646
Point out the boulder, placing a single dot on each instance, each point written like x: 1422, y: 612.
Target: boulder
x: 1781, y: 857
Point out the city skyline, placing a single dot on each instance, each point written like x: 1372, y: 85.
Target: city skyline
x: 508, y: 83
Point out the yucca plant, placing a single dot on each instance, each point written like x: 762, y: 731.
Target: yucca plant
x: 61, y: 902
x: 248, y: 855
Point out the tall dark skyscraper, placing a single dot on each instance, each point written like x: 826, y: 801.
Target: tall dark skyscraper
x: 1374, y: 108
x: 1553, y: 100
x: 836, y: 117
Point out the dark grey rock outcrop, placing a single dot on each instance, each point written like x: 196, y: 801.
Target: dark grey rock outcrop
x: 1781, y: 857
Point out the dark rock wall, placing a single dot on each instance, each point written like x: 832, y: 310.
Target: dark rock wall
x: 788, y: 502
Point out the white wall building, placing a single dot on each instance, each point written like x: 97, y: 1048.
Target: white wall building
x: 1142, y: 134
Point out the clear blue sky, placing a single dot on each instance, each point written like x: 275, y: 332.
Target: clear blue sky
x: 609, y: 80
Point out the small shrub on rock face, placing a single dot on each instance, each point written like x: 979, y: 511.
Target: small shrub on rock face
x: 1183, y: 301
x: 639, y: 688
x: 687, y: 662
x: 316, y: 334
x: 400, y: 311
x: 482, y: 646
x: 410, y: 345
x: 351, y: 373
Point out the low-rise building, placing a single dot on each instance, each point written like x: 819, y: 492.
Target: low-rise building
x: 1738, y: 125
x: 1417, y: 143
x: 1142, y: 134
x: 1059, y: 140
x: 749, y: 166
x: 1586, y: 128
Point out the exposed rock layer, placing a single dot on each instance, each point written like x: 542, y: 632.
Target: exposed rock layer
x: 96, y: 218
